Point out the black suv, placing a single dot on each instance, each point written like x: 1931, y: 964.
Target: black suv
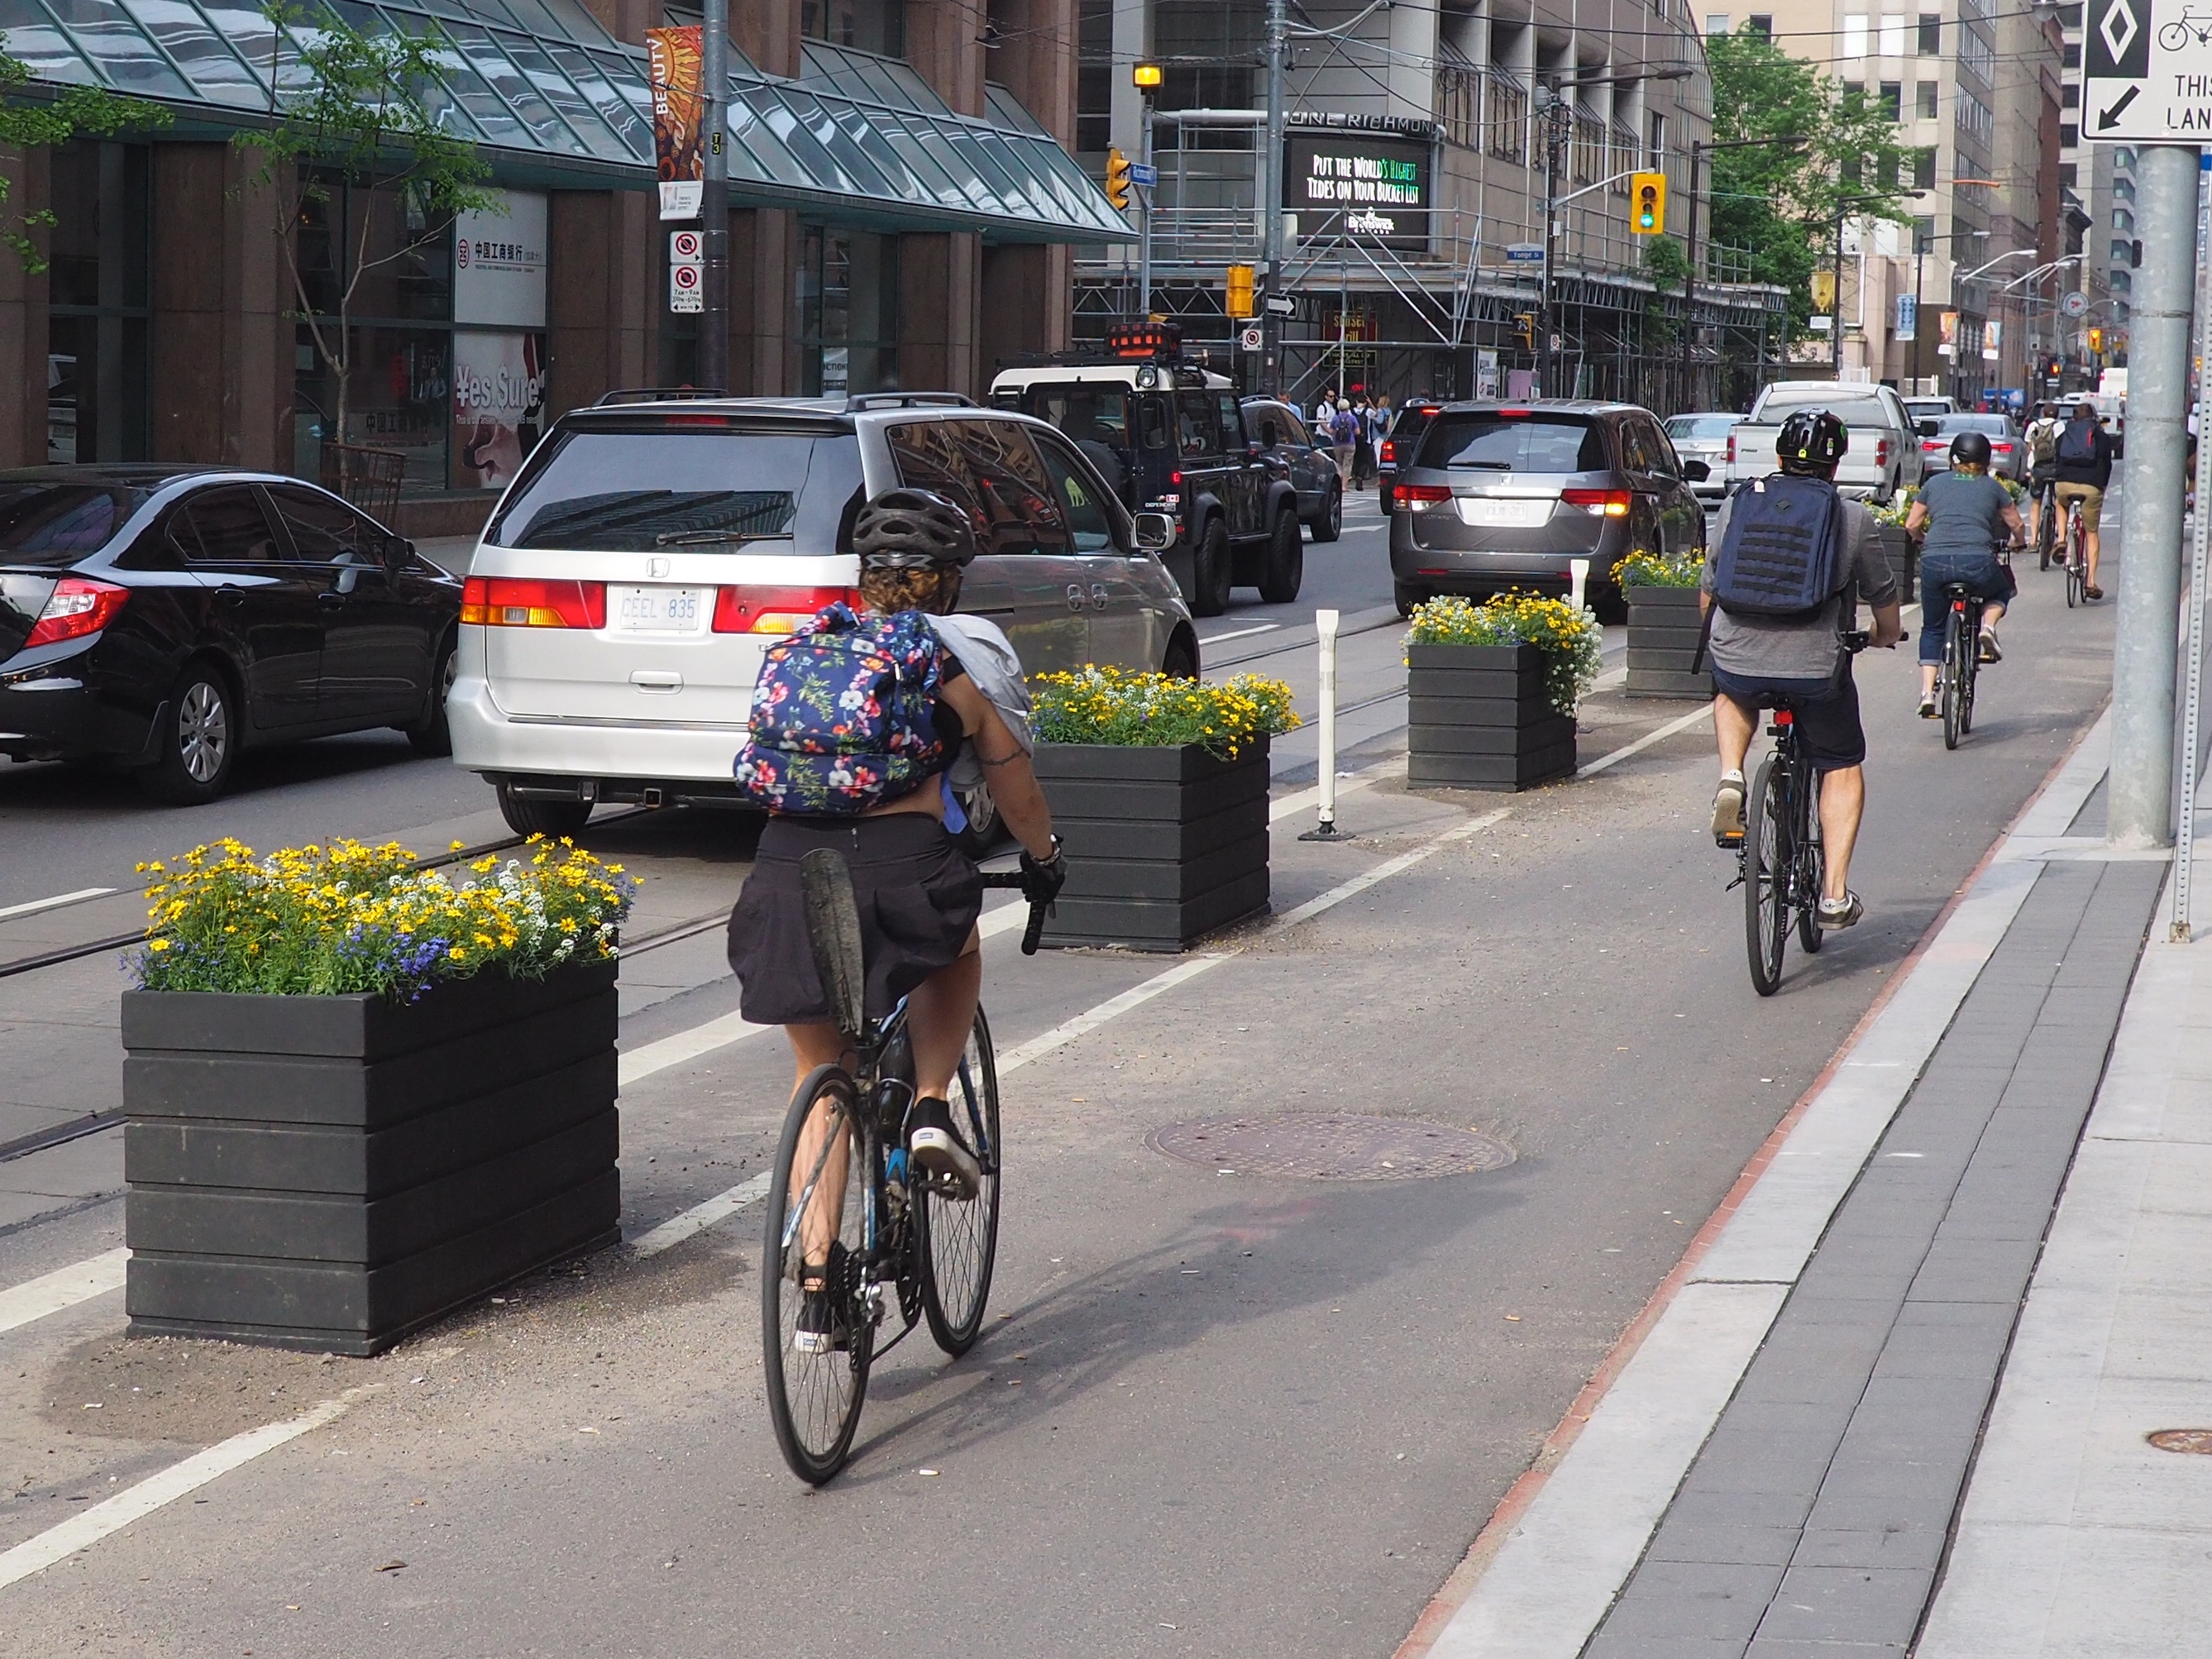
x: 1170, y: 438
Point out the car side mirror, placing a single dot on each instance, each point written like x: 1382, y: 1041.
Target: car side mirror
x: 397, y: 550
x: 1696, y: 471
x: 1156, y: 533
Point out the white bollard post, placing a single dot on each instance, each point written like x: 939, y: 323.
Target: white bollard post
x: 1577, y: 580
x: 1325, y: 625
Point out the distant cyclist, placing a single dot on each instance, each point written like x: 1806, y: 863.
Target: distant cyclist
x: 2085, y: 473
x: 1768, y: 646
x: 953, y: 694
x: 2041, y: 442
x: 1961, y: 516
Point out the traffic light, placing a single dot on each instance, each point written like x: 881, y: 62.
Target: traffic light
x: 1117, y: 178
x: 1238, y: 303
x: 2096, y: 339
x: 1148, y: 76
x: 1524, y: 325
x: 1648, y: 193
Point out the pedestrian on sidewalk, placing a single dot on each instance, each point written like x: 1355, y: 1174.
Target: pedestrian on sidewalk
x: 1363, y: 450
x: 1764, y: 644
x: 1325, y: 410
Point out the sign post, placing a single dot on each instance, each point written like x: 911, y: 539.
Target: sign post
x: 2200, y: 554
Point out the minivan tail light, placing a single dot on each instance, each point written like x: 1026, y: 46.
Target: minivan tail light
x: 775, y: 610
x: 77, y: 606
x: 1599, y: 503
x: 533, y: 602
x: 1418, y: 496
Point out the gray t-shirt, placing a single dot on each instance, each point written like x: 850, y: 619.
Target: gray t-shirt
x: 1781, y: 648
x: 1965, y: 514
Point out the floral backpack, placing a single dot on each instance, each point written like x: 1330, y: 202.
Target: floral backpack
x: 842, y: 715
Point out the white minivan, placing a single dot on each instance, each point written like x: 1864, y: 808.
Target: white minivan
x: 620, y: 600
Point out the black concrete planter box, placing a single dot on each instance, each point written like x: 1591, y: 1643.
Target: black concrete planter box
x: 1478, y: 719
x: 1164, y: 845
x: 1898, y: 546
x: 329, y: 1173
x: 1664, y: 626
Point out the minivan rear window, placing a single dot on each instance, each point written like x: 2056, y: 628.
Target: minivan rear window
x: 1513, y: 443
x: 643, y: 491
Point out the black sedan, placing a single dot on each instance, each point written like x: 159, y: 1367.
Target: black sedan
x: 1282, y: 434
x: 159, y: 619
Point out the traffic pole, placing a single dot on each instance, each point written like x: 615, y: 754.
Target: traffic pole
x: 2200, y: 555
x: 1271, y: 202
x: 1325, y: 626
x: 715, y: 196
x: 2141, y: 812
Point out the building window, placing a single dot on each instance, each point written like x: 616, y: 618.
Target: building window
x: 2069, y: 177
x: 2069, y: 17
x: 1977, y: 55
x: 847, y: 311
x: 98, y: 305
x: 1923, y: 170
x: 1094, y: 78
x: 1892, y: 101
x: 1507, y: 119
x: 1924, y: 99
x: 1658, y: 139
x: 876, y: 26
x: 1761, y: 24
x: 1717, y: 23
x: 1893, y: 35
x: 2069, y: 136
x: 2069, y: 96
x: 1931, y: 34
x: 1924, y: 234
x: 1854, y: 34
x: 2073, y: 54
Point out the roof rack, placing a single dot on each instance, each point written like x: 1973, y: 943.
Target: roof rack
x: 866, y: 400
x: 658, y: 394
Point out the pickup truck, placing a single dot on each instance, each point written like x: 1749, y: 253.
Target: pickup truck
x: 1884, y: 456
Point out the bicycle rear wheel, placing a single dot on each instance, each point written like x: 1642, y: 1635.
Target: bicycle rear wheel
x: 2046, y: 537
x: 1765, y: 876
x: 959, y: 1239
x: 1812, y: 868
x: 2077, y: 563
x: 817, y: 1207
x: 1955, y: 669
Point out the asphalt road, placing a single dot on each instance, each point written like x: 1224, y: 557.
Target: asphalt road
x: 1222, y: 1414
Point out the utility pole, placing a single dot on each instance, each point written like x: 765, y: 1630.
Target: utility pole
x: 2144, y: 645
x: 1836, y: 305
x: 1271, y: 197
x: 1546, y: 357
x: 1688, y: 394
x: 715, y: 196
x: 1144, y: 222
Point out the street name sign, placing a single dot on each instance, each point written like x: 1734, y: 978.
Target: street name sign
x: 1524, y: 253
x: 1144, y: 173
x: 2147, y: 72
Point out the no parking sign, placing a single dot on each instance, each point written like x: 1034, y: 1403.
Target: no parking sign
x: 687, y: 266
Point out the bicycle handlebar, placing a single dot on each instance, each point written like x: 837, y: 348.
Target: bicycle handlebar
x: 1034, y: 931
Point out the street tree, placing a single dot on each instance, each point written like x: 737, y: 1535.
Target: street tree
x: 43, y: 122
x: 353, y: 130
x: 1783, y: 202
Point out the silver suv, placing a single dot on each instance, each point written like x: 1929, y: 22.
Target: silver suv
x: 622, y: 596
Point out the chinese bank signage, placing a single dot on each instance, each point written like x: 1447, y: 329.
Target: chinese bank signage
x: 1358, y: 183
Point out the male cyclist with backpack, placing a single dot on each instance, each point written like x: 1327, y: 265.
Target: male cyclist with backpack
x: 857, y: 722
x: 2085, y: 473
x: 1788, y: 564
x: 2041, y: 442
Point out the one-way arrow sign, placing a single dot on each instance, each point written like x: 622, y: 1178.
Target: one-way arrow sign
x: 2147, y: 72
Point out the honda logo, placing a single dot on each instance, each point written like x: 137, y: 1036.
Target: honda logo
x: 656, y: 568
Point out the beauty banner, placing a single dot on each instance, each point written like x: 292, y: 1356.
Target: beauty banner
x: 674, y: 62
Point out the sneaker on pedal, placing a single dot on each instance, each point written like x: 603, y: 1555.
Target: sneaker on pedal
x: 1989, y: 650
x: 1728, y: 812
x: 821, y: 1324
x: 1928, y: 706
x: 931, y: 1144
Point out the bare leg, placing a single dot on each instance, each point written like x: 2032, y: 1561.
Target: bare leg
x: 1843, y: 798
x: 2090, y: 541
x: 812, y: 1046
x: 1928, y: 672
x: 940, y: 1016
x: 1733, y: 726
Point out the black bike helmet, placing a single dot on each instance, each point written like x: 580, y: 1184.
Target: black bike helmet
x: 1811, y: 442
x: 913, y: 530
x: 1970, y: 449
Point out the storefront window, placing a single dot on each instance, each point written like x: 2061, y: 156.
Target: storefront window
x: 848, y: 313
x: 396, y: 399
x: 98, y: 304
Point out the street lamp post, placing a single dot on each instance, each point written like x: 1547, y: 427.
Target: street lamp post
x: 715, y: 196
x: 1270, y: 185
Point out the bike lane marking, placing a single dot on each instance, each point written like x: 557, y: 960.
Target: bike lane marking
x: 33, y: 1299
x: 1541, y: 1574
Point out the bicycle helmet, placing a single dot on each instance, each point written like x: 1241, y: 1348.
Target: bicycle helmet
x: 1970, y: 449
x: 912, y: 530
x: 1811, y: 442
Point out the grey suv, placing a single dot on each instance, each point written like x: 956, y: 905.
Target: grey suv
x: 619, y: 605
x: 1503, y: 496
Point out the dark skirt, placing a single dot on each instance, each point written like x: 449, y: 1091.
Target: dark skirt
x: 919, y: 896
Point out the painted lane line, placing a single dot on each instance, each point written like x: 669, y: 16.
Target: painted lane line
x: 1644, y: 742
x: 55, y: 903
x: 639, y: 1064
x: 1067, y: 1030
x: 1240, y: 633
x: 81, y: 1531
x: 700, y: 1217
x: 33, y: 1299
x: 1389, y: 867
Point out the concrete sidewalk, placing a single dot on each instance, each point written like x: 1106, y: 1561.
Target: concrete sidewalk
x: 1898, y: 1398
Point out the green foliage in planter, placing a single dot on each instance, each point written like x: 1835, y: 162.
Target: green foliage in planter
x: 1642, y: 569
x: 1152, y: 711
x: 1568, y: 638
x: 347, y: 918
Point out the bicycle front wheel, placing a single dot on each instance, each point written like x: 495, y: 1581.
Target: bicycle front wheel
x: 1956, y: 646
x: 959, y: 1238
x: 815, y: 1359
x: 1765, y: 876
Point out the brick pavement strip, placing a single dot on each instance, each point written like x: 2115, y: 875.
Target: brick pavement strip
x: 1816, y: 1513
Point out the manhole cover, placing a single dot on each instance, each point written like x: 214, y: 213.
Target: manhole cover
x: 2182, y: 1440
x: 1332, y: 1146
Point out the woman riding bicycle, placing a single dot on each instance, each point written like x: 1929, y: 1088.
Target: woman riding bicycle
x: 1961, y: 517
x: 918, y: 894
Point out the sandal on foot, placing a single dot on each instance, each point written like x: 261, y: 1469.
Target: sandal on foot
x: 2093, y: 592
x: 1728, y: 812
x: 1843, y: 913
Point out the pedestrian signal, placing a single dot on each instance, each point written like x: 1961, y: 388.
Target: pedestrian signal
x: 1647, y: 191
x: 1238, y: 303
x: 1117, y: 178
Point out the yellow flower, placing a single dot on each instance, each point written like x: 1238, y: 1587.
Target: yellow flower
x: 157, y: 944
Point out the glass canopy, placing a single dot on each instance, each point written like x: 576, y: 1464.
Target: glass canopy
x: 553, y: 99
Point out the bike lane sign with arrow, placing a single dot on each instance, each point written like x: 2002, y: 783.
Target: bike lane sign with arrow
x: 2147, y: 72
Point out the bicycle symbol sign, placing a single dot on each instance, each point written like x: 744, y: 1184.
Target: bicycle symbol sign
x: 2147, y: 72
